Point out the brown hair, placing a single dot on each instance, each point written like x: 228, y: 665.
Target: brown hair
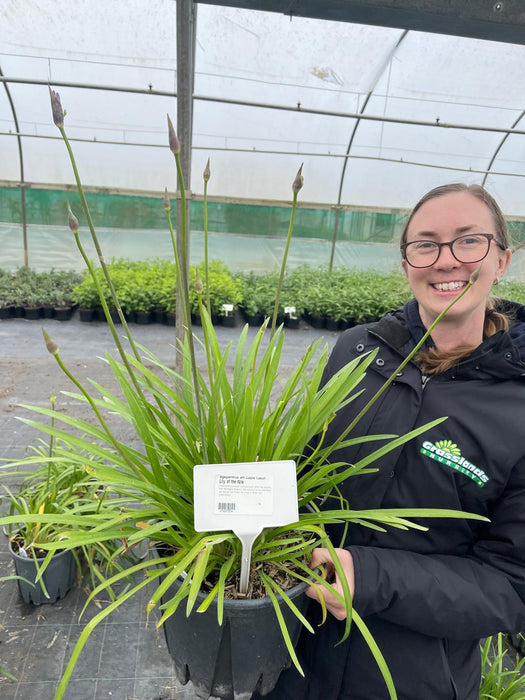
x: 433, y: 361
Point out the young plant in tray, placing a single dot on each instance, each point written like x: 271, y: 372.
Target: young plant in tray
x: 236, y: 409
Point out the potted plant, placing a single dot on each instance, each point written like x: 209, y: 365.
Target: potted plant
x: 259, y: 297
x: 218, y: 286
x: 50, y: 490
x: 85, y: 296
x: 59, y: 295
x: 6, y: 295
x: 58, y: 488
x: 167, y: 297
x: 250, y: 304
x: 213, y: 416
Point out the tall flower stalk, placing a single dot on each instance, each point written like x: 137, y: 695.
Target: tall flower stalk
x: 58, y: 118
x: 296, y: 187
x: 206, y: 177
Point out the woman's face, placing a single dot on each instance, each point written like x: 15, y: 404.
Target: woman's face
x: 443, y: 219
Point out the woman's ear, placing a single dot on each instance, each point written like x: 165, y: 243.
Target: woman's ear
x: 504, y: 261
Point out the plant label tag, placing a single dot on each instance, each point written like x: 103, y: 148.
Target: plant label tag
x: 245, y: 497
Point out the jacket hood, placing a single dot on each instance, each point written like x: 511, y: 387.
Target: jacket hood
x: 502, y: 356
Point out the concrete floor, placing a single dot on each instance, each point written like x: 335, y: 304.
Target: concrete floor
x: 125, y: 659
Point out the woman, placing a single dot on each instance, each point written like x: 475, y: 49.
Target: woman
x: 429, y: 597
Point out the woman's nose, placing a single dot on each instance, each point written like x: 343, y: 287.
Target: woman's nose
x: 446, y: 259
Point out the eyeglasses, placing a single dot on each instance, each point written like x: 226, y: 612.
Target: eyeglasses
x: 466, y: 249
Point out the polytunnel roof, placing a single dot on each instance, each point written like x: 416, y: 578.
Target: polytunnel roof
x: 378, y: 114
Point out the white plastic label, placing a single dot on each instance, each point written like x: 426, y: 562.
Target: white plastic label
x: 245, y: 495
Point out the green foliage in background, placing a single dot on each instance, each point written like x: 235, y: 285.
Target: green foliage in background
x: 28, y: 288
x: 347, y: 295
x: 224, y: 287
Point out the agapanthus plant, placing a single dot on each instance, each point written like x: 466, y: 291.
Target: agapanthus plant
x: 232, y: 410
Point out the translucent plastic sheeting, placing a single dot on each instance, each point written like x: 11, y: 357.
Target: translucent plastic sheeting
x: 265, y: 58
x: 52, y: 246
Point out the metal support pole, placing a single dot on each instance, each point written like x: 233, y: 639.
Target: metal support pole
x: 22, y: 178
x: 186, y: 25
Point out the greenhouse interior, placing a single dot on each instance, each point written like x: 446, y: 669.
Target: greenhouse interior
x: 371, y: 102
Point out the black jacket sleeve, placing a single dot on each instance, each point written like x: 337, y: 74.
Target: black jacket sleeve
x: 458, y: 597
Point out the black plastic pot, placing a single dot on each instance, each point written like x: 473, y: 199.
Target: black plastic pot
x: 255, y: 320
x: 6, y: 312
x: 48, y: 312
x: 99, y: 314
x: 63, y: 313
x: 332, y: 325
x: 32, y: 313
x: 158, y: 316
x: 87, y: 314
x: 317, y: 321
x: 243, y: 656
x: 143, y: 317
x: 58, y: 577
x: 229, y: 321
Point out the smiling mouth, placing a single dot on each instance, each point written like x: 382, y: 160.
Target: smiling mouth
x: 449, y: 286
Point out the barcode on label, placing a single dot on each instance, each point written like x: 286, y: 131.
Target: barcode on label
x: 226, y: 506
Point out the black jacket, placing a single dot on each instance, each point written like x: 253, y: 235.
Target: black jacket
x: 428, y: 597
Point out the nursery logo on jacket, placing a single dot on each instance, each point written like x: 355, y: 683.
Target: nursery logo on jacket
x: 448, y: 453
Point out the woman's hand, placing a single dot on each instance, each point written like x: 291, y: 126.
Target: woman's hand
x: 321, y: 555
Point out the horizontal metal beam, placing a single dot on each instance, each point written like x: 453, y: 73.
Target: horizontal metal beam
x: 268, y: 151
x: 495, y: 20
x: 437, y: 123
x: 364, y: 117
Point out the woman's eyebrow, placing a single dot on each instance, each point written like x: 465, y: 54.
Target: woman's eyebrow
x: 460, y: 229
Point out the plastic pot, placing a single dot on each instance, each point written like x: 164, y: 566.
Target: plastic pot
x: 243, y: 656
x: 63, y: 313
x: 87, y: 314
x: 58, y: 577
x: 6, y: 312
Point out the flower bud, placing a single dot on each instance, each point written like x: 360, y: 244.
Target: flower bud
x: 172, y: 137
x: 206, y: 173
x: 50, y: 345
x: 475, y: 275
x: 56, y: 107
x: 72, y: 220
x: 167, y: 203
x: 199, y: 287
x: 299, y: 180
